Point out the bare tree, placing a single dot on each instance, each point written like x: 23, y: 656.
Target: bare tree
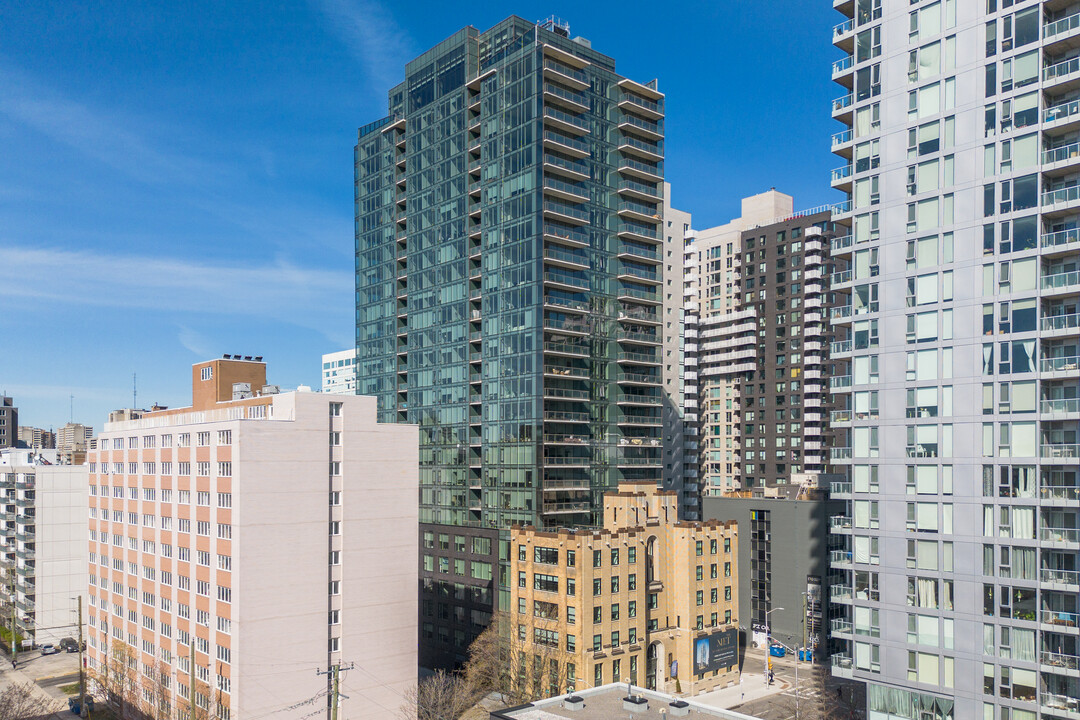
x: 18, y: 702
x: 157, y: 693
x: 443, y: 696
x: 517, y: 670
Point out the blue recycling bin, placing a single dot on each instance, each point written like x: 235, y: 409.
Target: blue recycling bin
x: 777, y: 651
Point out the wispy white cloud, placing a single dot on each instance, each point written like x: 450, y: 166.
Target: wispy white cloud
x: 370, y: 31
x: 196, y: 342
x: 281, y: 290
x: 132, y: 146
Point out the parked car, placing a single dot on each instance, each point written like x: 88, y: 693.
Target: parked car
x: 49, y: 649
x: 69, y: 645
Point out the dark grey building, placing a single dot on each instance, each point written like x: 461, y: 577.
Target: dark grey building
x: 783, y: 552
x: 509, y: 290
x: 9, y: 422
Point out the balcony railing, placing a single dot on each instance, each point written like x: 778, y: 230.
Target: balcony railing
x: 841, y: 172
x: 840, y: 557
x: 567, y: 141
x: 839, y: 592
x: 1061, y: 237
x: 1066, y: 535
x: 1063, y: 25
x: 1061, y: 195
x: 1061, y: 405
x: 842, y: 662
x: 843, y: 28
x: 1059, y: 364
x: 1059, y: 450
x: 566, y: 70
x: 840, y: 522
x: 568, y: 188
x: 841, y: 625
x: 843, y: 64
x: 1060, y: 322
x: 637, y: 122
x: 840, y: 381
x: 840, y: 488
x: 842, y: 102
x: 1064, y: 110
x: 839, y: 278
x: 651, y: 105
x: 840, y: 347
x: 842, y: 243
x: 1065, y: 152
x: 844, y: 136
x: 567, y: 210
x: 840, y: 453
x: 575, y: 120
x: 1059, y: 702
x: 1068, y: 662
x: 1062, y: 69
x: 1060, y: 280
x: 1059, y: 492
x: 1060, y: 577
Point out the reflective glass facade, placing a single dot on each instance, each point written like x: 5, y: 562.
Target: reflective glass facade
x: 508, y: 276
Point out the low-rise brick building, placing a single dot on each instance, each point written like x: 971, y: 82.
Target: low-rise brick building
x: 645, y: 598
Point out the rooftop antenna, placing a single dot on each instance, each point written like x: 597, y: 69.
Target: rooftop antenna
x: 71, y: 410
x: 134, y: 391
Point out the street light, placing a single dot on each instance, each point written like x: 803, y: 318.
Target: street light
x: 768, y: 644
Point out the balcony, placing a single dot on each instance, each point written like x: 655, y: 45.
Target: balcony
x: 565, y: 144
x: 840, y: 523
x: 1063, y: 116
x: 566, y: 191
x: 565, y: 122
x: 1062, y: 76
x: 839, y: 490
x: 640, y: 212
x: 639, y: 126
x: 576, y: 170
x: 840, y: 347
x: 641, y: 170
x: 562, y: 508
x: 1060, y: 536
x: 565, y: 281
x: 566, y: 258
x: 1061, y: 282
x: 840, y: 592
x: 842, y: 666
x: 841, y: 143
x: 639, y: 275
x: 1061, y: 34
x: 840, y: 626
x: 635, y: 252
x: 840, y: 559
x: 839, y: 279
x: 566, y: 235
x: 647, y: 108
x: 638, y: 358
x: 1067, y: 580
x: 566, y: 304
x: 573, y: 100
x: 842, y: 71
x: 840, y: 381
x: 566, y: 349
x: 1060, y: 703
x: 1061, y: 200
x: 841, y: 178
x: 566, y: 213
x: 1062, y: 408
x: 642, y: 296
x: 640, y: 233
x: 566, y: 416
x: 843, y: 35
x: 1060, y: 661
x: 1060, y: 242
x: 841, y: 107
x: 650, y: 151
x: 565, y: 74
x: 1066, y: 366
x: 1060, y: 325
x: 840, y: 453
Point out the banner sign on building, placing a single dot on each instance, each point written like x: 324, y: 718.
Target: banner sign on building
x: 716, y: 651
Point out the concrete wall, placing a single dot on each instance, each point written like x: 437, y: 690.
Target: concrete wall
x: 60, y: 549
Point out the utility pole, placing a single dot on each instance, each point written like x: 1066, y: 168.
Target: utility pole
x: 14, y: 618
x: 82, y: 673
x: 335, y: 687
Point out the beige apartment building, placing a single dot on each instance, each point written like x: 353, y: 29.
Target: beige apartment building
x: 240, y: 545
x: 646, y: 598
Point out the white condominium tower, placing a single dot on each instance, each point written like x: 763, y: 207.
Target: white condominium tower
x: 961, y: 157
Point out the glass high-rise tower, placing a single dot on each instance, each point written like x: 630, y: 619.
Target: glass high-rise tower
x: 509, y: 274
x: 959, y: 583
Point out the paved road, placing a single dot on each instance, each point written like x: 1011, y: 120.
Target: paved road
x: 817, y: 696
x: 47, y: 673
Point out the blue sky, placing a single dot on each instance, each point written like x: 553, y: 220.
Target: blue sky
x: 176, y: 179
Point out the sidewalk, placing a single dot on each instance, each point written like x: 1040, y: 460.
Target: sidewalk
x: 8, y: 676
x: 751, y: 686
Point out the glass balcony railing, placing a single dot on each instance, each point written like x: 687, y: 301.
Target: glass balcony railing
x: 553, y: 253
x: 650, y: 105
x: 840, y: 347
x: 844, y: 136
x: 839, y: 592
x: 643, y: 188
x: 576, y: 121
x: 566, y: 233
x: 840, y: 522
x: 640, y: 208
x: 838, y: 557
x: 1061, y: 195
x: 566, y: 303
x: 844, y: 101
x: 567, y: 210
x: 841, y: 172
x: 566, y: 70
x: 1061, y: 660
x: 843, y: 28
x: 840, y: 453
x: 839, y: 278
x: 1065, y: 535
x: 1064, y: 110
x: 1056, y: 281
x: 1061, y: 237
x: 1059, y: 364
x: 1061, y: 69
x: 653, y: 148
x: 843, y: 64
x: 572, y: 165
x: 656, y: 170
x: 568, y: 188
x: 1059, y: 450
x: 1061, y: 405
x: 841, y: 243
x: 639, y: 251
x: 1069, y: 322
x: 1064, y: 25
x: 841, y: 208
x: 574, y: 97
x: 639, y: 273
x: 567, y: 141
x: 840, y: 488
x: 566, y: 348
x: 637, y: 122
x: 1059, y: 577
x: 625, y: 292
x: 643, y: 230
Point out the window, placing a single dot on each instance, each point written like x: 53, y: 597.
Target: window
x: 335, y: 409
x: 206, y: 373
